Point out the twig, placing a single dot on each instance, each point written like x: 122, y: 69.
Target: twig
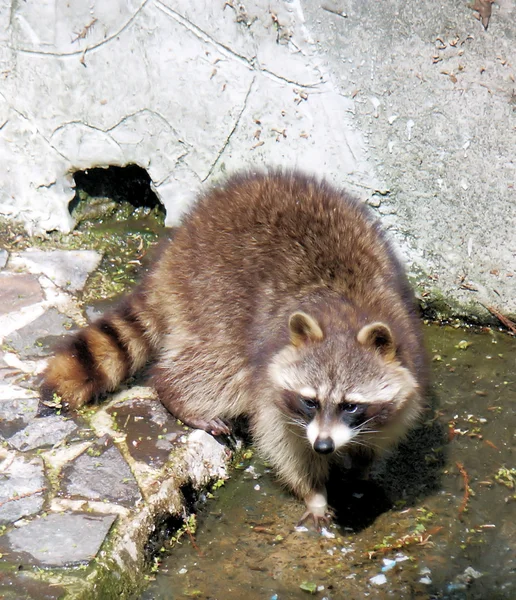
x: 266, y: 530
x: 489, y: 443
x: 192, y: 539
x: 421, y: 539
x: 26, y: 495
x: 511, y: 326
x: 465, y: 478
x: 82, y: 34
x: 333, y: 11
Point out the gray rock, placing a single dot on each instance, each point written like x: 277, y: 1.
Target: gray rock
x: 18, y: 290
x: 99, y: 307
x: 58, y: 540
x: 15, y: 414
x: 20, y: 477
x: 69, y: 269
x: 100, y: 474
x: 39, y: 337
x: 92, y: 313
x: 42, y: 433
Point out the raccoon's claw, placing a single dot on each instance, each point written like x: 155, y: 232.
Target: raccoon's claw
x: 218, y: 427
x: 317, y: 509
x: 214, y: 426
x: 319, y: 520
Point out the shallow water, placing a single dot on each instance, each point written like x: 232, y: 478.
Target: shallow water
x: 411, y: 531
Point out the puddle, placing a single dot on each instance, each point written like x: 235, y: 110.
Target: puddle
x: 150, y: 431
x: 413, y: 531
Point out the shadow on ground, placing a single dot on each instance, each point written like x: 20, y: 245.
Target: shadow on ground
x: 410, y: 473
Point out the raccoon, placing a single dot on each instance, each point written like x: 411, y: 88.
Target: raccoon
x: 279, y: 299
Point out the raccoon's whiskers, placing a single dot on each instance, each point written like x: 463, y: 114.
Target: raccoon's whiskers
x: 363, y: 444
x: 295, y: 425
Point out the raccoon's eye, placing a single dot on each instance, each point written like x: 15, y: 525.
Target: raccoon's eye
x: 349, y: 408
x: 309, y: 403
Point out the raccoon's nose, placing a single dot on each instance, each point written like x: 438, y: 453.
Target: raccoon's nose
x: 324, y: 445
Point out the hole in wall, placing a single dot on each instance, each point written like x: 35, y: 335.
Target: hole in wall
x: 114, y: 194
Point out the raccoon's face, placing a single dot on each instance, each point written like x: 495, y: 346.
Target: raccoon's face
x: 343, y: 389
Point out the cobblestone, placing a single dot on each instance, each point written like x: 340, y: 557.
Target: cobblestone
x: 37, y: 338
x: 68, y: 269
x: 18, y: 290
x: 56, y: 540
x: 79, y: 489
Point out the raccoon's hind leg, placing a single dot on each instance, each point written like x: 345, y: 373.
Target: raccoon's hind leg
x: 184, y: 388
x: 173, y: 400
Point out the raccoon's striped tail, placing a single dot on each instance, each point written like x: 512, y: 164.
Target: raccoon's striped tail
x: 99, y: 357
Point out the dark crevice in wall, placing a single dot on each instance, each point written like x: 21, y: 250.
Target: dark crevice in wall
x: 118, y: 192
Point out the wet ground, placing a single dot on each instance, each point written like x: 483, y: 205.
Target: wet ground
x: 436, y: 520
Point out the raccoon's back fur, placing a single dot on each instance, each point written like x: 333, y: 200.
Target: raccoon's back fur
x: 280, y: 299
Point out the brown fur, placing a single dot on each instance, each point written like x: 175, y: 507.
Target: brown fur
x: 216, y: 308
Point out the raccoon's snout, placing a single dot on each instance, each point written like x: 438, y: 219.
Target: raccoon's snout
x: 324, y: 445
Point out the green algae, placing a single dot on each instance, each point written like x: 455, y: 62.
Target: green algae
x: 124, y: 247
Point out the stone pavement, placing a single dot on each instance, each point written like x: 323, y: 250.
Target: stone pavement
x: 81, y: 494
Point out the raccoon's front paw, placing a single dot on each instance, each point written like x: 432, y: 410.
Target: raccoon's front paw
x: 317, y: 510
x: 214, y: 426
x: 319, y: 520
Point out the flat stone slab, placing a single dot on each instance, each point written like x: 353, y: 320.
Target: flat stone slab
x: 42, y: 433
x: 101, y: 473
x: 38, y: 338
x: 10, y: 391
x: 24, y: 479
x: 18, y: 290
x: 16, y: 414
x: 69, y: 269
x: 58, y: 540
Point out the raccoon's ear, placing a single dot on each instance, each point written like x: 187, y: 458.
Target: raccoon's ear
x: 304, y: 329
x: 378, y: 336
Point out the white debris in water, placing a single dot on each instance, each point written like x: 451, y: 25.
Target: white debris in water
x: 183, y: 571
x: 425, y: 580
x: 320, y: 588
x: 378, y: 579
x: 346, y: 550
x: 471, y: 572
x: 425, y: 571
x: 257, y: 487
x: 401, y: 558
x: 388, y: 564
x: 327, y: 534
x: 300, y: 528
x: 252, y: 471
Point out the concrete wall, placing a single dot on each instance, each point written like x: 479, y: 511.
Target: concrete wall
x: 409, y: 104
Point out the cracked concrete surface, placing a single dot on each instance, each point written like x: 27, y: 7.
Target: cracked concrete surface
x: 409, y: 105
